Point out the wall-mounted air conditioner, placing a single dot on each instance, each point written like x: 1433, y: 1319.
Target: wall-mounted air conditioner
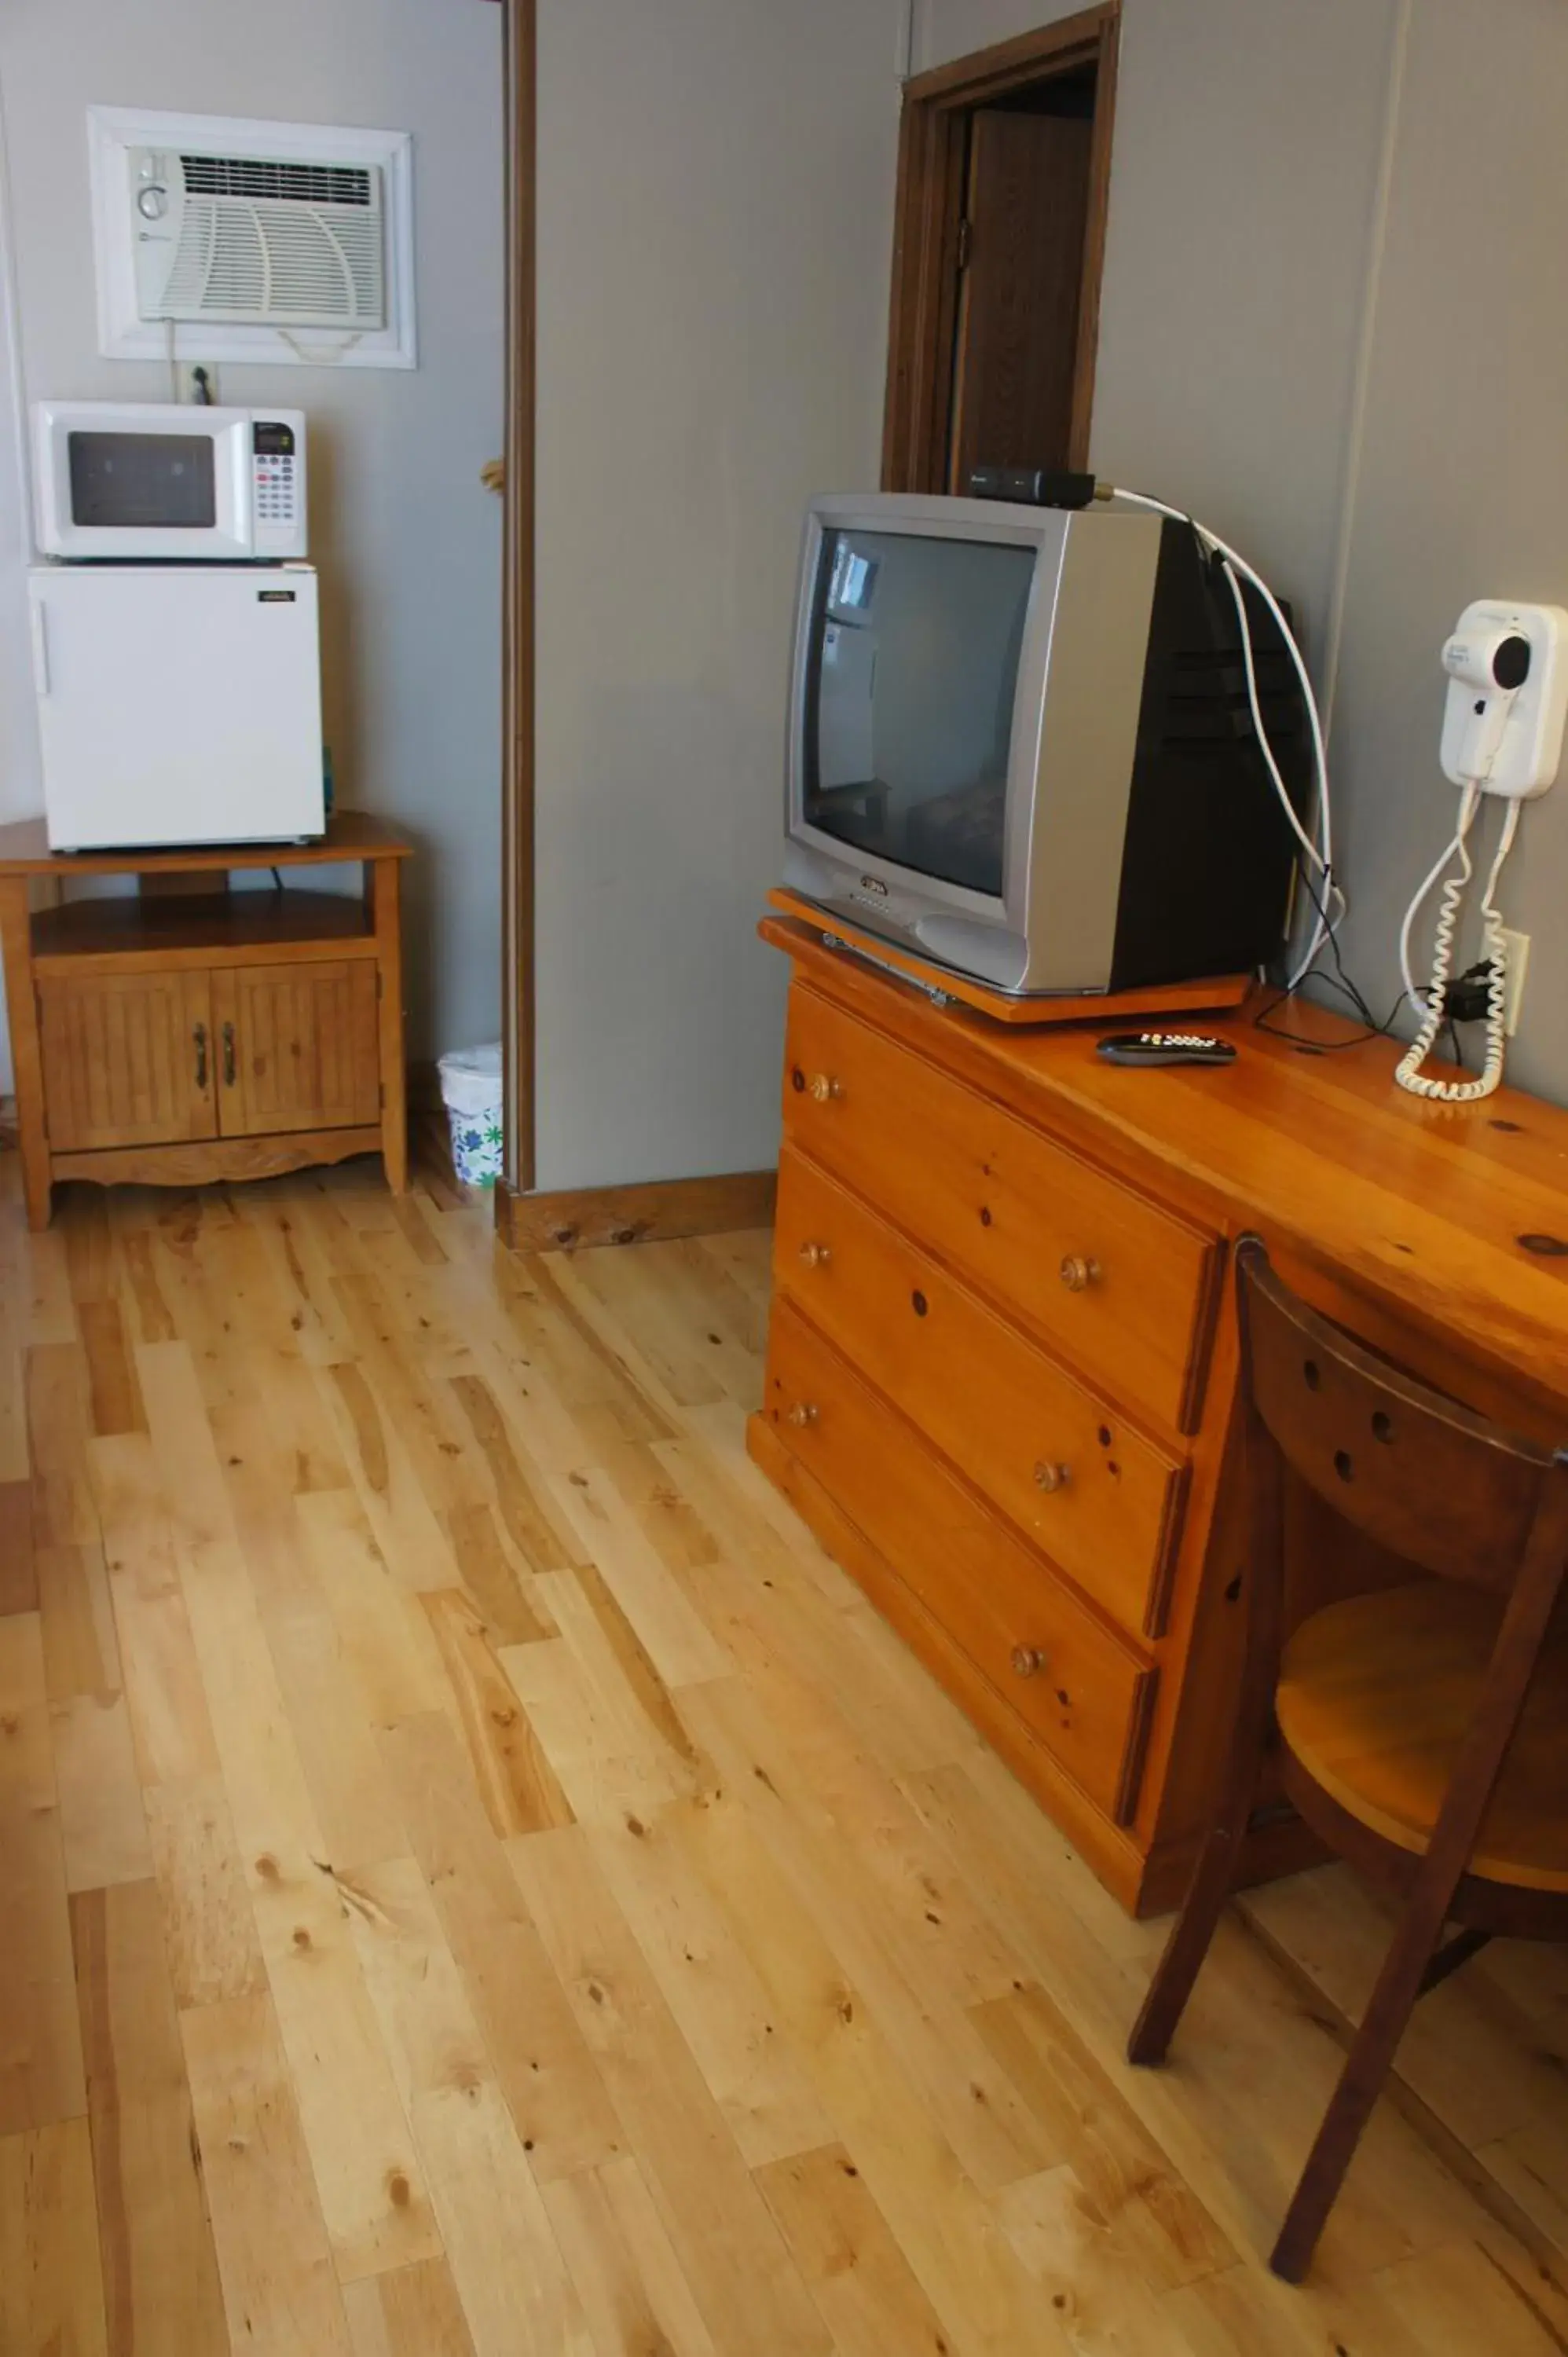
x: 251, y: 241
x: 257, y: 240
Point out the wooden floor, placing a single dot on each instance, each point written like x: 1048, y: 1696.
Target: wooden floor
x: 476, y: 1878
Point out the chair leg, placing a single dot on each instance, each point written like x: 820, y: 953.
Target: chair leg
x: 1191, y: 1936
x: 1360, y: 2083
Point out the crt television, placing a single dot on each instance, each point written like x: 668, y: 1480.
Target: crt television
x: 1021, y: 744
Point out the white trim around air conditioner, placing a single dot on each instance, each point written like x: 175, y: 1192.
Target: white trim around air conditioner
x: 121, y: 335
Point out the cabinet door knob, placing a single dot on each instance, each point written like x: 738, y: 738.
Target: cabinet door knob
x: 228, y: 1055
x: 199, y: 1036
x: 1050, y: 1477
x: 1029, y: 1660
x: 803, y: 1413
x: 824, y: 1087
x: 1076, y: 1272
x: 816, y: 1255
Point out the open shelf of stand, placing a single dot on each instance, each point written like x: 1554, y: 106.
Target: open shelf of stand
x: 196, y: 929
x: 190, y: 1031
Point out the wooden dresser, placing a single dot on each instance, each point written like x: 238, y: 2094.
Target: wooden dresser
x: 1003, y: 1362
x: 186, y: 1031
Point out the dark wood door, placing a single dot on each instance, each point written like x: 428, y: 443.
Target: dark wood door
x: 1022, y: 257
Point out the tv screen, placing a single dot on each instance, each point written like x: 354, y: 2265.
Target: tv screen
x: 912, y: 668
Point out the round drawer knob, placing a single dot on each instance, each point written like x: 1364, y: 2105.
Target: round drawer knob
x: 816, y: 1255
x: 1050, y: 1477
x: 1076, y: 1272
x: 1029, y: 1660
x: 803, y: 1413
x: 825, y: 1088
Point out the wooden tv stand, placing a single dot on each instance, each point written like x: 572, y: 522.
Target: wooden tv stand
x: 1001, y: 1370
x: 190, y: 1032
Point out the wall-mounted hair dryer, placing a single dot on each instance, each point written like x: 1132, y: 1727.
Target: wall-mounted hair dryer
x: 1502, y: 734
x: 1508, y: 695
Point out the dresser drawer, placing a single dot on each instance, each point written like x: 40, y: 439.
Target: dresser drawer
x: 1082, y: 1690
x: 1101, y: 1501
x: 1125, y: 1290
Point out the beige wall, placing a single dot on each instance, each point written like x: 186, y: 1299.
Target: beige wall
x: 1253, y: 142
x: 715, y: 187
x: 1245, y: 164
x: 1463, y: 475
x: 407, y: 540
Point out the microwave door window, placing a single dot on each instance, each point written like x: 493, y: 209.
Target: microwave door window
x: 136, y: 482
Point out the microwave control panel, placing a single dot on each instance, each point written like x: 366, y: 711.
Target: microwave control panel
x: 278, y: 477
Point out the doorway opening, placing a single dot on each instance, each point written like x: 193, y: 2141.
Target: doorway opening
x: 999, y: 239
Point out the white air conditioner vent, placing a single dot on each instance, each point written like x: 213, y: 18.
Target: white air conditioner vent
x: 257, y: 240
x: 233, y: 236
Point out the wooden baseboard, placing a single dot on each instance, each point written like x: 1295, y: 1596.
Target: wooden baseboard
x: 653, y: 1211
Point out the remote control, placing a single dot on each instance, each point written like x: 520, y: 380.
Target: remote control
x: 1166, y: 1048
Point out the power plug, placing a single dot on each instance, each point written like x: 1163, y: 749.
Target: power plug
x: 1467, y: 999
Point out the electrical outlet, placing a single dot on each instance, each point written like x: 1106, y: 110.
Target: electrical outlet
x: 1517, y: 949
x: 198, y: 382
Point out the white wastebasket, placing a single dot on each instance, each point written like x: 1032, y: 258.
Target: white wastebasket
x: 471, y: 1092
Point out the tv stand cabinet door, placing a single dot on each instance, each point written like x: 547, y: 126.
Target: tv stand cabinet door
x: 298, y: 1046
x: 128, y: 1060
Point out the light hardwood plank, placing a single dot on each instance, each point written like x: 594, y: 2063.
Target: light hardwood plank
x: 634, y: 2293
x: 51, y: 2287
x: 374, y: 2202
x: 1161, y: 2226
x: 949, y: 2233
x: 76, y: 1610
x: 410, y: 2312
x: 744, y: 2280
x: 41, y: 2077
x: 865, y: 1916
x: 18, y: 1572
x: 547, y: 2073
x: 170, y: 1723
x: 104, y: 1827
x: 160, y: 2269
x: 706, y: 1979
x: 843, y: 2247
x: 519, y: 1789
x: 678, y: 1644
x: 209, y: 1927
x: 280, y: 2289
x: 113, y: 1391
x: 505, y: 2260
x: 387, y: 1646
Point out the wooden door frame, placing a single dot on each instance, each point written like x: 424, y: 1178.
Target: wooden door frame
x: 927, y: 212
x: 520, y: 50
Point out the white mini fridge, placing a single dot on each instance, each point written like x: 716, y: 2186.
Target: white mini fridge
x: 177, y: 704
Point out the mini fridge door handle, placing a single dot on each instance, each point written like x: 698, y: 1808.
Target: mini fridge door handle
x: 40, y: 647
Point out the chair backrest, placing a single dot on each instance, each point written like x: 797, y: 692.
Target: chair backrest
x: 1424, y: 1476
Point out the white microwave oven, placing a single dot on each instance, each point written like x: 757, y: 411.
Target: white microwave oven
x: 134, y: 481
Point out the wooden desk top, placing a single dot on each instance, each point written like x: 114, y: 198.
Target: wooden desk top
x: 1455, y: 1216
x: 351, y: 834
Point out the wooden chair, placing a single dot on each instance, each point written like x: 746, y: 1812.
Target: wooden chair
x: 1423, y: 1728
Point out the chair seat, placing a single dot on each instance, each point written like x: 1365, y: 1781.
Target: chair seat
x: 1375, y: 1697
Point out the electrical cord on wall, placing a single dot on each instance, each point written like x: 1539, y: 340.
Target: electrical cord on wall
x: 1409, y: 1073
x: 1339, y: 981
